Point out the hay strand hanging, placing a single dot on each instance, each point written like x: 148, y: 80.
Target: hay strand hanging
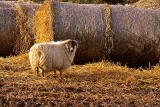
x: 44, y: 23
x: 24, y: 13
x: 23, y: 38
x: 108, y: 39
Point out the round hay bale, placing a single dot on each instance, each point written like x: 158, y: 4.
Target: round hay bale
x: 136, y: 35
x: 83, y: 22
x: 149, y: 4
x: 17, y: 28
x: 7, y: 29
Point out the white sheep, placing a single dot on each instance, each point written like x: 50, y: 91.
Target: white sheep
x: 52, y: 56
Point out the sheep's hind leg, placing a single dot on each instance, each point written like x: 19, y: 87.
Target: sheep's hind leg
x: 61, y: 74
x: 42, y: 72
x: 54, y: 76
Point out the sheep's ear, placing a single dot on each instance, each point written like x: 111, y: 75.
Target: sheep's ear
x: 67, y: 41
x: 76, y: 43
x: 66, y: 44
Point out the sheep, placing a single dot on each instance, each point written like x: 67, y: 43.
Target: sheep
x: 52, y: 56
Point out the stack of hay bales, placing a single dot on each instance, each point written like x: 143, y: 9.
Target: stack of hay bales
x: 136, y: 31
x: 126, y: 34
x: 17, y: 27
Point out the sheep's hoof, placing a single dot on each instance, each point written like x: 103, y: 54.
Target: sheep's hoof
x: 37, y: 77
x: 43, y: 75
x: 54, y: 76
x: 60, y: 80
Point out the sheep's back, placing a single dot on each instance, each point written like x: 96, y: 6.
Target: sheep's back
x: 53, y: 57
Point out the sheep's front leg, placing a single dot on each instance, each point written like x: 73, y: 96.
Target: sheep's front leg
x: 37, y: 71
x: 61, y: 74
x: 54, y: 74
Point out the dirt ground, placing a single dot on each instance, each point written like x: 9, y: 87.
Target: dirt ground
x: 95, y: 84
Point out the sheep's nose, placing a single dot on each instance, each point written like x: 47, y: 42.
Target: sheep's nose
x: 71, y: 49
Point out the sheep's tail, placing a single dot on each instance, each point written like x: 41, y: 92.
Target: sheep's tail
x: 34, y: 57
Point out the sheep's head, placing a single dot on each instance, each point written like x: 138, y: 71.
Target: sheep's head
x: 72, y: 45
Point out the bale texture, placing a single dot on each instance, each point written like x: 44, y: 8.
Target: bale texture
x: 149, y: 4
x: 82, y: 22
x: 7, y: 28
x: 136, y: 35
x: 17, y: 29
